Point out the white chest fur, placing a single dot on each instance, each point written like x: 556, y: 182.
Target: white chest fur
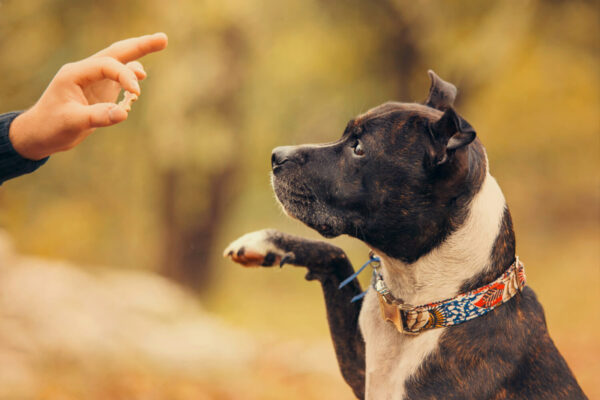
x: 393, y: 358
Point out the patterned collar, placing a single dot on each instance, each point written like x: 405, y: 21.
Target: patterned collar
x: 412, y: 320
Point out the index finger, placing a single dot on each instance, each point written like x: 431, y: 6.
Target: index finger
x: 134, y: 48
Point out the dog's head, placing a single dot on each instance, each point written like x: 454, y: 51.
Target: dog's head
x: 400, y: 178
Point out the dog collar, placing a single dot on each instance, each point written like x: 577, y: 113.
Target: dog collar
x: 412, y: 320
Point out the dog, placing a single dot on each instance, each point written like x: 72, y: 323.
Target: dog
x: 448, y: 315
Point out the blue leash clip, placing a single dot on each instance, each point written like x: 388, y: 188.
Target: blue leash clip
x: 373, y: 259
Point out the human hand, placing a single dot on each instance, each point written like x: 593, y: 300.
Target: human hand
x: 81, y: 97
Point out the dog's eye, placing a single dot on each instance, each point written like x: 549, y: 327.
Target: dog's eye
x: 358, y: 149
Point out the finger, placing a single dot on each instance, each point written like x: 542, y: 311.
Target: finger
x: 134, y: 48
x: 99, y: 115
x: 99, y: 68
x: 138, y: 69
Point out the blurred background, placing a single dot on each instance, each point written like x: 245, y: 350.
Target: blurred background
x: 112, y: 283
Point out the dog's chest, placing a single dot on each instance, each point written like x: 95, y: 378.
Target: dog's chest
x: 391, y: 357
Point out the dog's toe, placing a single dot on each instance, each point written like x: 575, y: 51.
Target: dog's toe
x: 254, y: 249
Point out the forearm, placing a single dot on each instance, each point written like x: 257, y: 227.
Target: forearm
x: 12, y: 164
x: 329, y: 265
x: 342, y: 316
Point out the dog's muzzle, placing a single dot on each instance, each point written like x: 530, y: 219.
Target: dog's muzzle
x: 286, y: 154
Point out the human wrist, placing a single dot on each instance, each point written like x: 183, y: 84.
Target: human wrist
x: 13, y: 164
x: 22, y: 137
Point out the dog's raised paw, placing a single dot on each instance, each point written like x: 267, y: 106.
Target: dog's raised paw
x: 257, y: 249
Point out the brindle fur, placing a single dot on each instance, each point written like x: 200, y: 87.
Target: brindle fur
x: 330, y: 266
x: 505, y: 354
x: 423, y: 168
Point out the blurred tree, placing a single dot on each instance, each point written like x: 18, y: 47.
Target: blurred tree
x: 241, y: 77
x: 189, y: 228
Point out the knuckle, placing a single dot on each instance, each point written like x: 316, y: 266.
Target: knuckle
x: 110, y: 49
x: 134, y: 64
x: 109, y: 61
x: 67, y: 68
x: 130, y: 74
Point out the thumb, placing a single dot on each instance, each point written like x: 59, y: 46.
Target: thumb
x: 103, y: 114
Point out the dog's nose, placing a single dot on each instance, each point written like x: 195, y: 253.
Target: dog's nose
x: 280, y: 156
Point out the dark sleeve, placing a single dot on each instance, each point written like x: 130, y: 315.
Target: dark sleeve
x: 12, y: 164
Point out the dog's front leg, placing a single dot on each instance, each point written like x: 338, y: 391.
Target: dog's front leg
x: 330, y: 266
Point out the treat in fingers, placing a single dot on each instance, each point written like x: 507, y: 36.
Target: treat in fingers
x: 128, y: 99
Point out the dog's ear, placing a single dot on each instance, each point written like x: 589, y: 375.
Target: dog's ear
x: 449, y: 133
x: 441, y: 93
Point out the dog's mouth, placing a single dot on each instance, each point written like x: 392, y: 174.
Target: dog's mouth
x: 299, y: 202
x: 326, y: 230
x: 294, y: 200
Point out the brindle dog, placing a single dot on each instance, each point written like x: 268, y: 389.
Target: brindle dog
x: 412, y: 182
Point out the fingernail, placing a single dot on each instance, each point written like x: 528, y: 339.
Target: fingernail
x: 136, y: 86
x: 163, y: 35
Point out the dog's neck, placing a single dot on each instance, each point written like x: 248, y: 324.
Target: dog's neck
x: 477, y: 251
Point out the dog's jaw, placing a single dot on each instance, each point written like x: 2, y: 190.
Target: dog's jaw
x: 305, y: 207
x: 436, y: 276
